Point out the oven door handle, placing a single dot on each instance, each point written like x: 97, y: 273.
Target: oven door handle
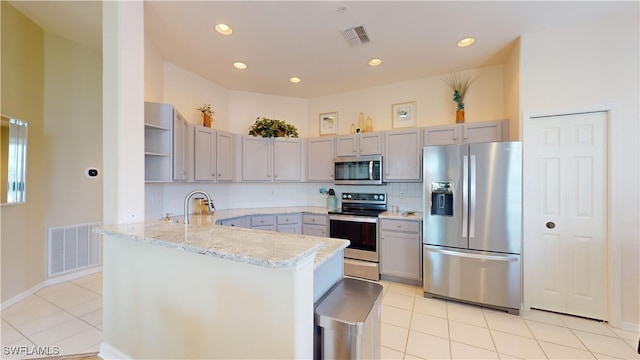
x: 349, y: 218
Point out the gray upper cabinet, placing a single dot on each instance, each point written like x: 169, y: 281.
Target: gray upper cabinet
x: 166, y: 143
x: 320, y: 155
x: 486, y: 131
x: 271, y: 159
x: 287, y: 157
x: 204, y: 154
x: 403, y: 155
x: 213, y: 155
x: 443, y: 135
x: 359, y: 144
x: 257, y: 159
x: 180, y: 147
x: 225, y: 156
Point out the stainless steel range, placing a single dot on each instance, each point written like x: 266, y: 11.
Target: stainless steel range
x: 357, y: 221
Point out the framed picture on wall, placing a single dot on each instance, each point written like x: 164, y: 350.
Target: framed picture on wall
x: 329, y: 123
x: 403, y: 115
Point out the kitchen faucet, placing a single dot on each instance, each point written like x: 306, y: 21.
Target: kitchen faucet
x: 186, y: 203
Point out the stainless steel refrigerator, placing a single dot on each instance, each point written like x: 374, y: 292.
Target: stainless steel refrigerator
x: 472, y: 227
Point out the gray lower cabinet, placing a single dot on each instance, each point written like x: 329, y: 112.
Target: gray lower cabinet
x: 241, y: 222
x: 289, y: 223
x: 314, y: 224
x: 401, y: 249
x: 263, y: 222
x: 296, y: 223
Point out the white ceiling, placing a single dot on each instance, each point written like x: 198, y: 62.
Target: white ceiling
x: 278, y: 40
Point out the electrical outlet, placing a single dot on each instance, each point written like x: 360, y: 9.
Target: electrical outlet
x: 401, y: 194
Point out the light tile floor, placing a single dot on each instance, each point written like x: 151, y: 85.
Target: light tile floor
x: 61, y: 319
x: 68, y: 317
x: 414, y: 327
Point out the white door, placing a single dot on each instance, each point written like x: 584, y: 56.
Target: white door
x: 565, y: 213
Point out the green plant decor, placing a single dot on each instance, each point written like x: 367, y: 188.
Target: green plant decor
x: 460, y: 82
x: 272, y: 128
x: 206, y: 109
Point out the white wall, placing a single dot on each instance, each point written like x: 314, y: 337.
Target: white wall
x: 123, y: 111
x: 153, y: 72
x: 571, y: 68
x: 245, y: 107
x: 187, y: 92
x: 434, y: 102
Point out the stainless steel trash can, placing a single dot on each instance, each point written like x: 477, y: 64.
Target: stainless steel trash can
x: 347, y: 321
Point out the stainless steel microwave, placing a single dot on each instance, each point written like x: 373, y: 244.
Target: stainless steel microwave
x: 360, y: 170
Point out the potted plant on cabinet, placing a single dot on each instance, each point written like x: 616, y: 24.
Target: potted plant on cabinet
x: 460, y: 82
x: 265, y: 127
x: 207, y: 114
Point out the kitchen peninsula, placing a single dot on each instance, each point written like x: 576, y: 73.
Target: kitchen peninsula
x: 205, y: 291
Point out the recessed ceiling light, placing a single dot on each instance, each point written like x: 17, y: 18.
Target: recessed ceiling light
x: 224, y: 29
x: 239, y: 65
x: 295, y: 79
x: 466, y: 42
x: 375, y: 62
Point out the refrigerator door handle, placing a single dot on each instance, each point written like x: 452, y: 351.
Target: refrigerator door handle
x: 472, y: 198
x: 465, y: 194
x: 473, y: 256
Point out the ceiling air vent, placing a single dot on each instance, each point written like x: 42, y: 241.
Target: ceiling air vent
x: 356, y: 35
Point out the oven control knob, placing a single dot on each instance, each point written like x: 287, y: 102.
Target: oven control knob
x: 381, y: 197
x: 375, y: 197
x: 349, y: 196
x: 344, y: 196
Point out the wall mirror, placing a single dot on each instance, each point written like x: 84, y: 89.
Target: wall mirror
x: 13, y: 144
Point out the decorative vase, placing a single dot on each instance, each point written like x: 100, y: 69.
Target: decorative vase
x: 332, y: 202
x: 459, y: 116
x: 207, y: 120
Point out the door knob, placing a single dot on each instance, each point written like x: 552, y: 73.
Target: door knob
x: 550, y: 225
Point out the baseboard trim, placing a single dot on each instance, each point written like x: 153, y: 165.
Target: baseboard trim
x: 109, y: 352
x: 53, y: 281
x: 629, y: 326
x: 72, y: 276
x: 23, y: 295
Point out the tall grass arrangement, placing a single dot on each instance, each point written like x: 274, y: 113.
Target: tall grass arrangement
x: 460, y: 82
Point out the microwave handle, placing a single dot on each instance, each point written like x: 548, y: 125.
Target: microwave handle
x: 370, y: 169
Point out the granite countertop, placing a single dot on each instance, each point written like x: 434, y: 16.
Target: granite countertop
x: 232, y: 213
x: 402, y: 215
x: 257, y: 247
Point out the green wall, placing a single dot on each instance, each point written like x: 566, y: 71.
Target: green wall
x: 22, y: 96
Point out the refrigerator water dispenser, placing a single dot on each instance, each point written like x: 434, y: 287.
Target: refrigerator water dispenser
x: 442, y: 198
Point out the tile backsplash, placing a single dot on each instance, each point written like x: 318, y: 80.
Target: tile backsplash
x: 169, y: 198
